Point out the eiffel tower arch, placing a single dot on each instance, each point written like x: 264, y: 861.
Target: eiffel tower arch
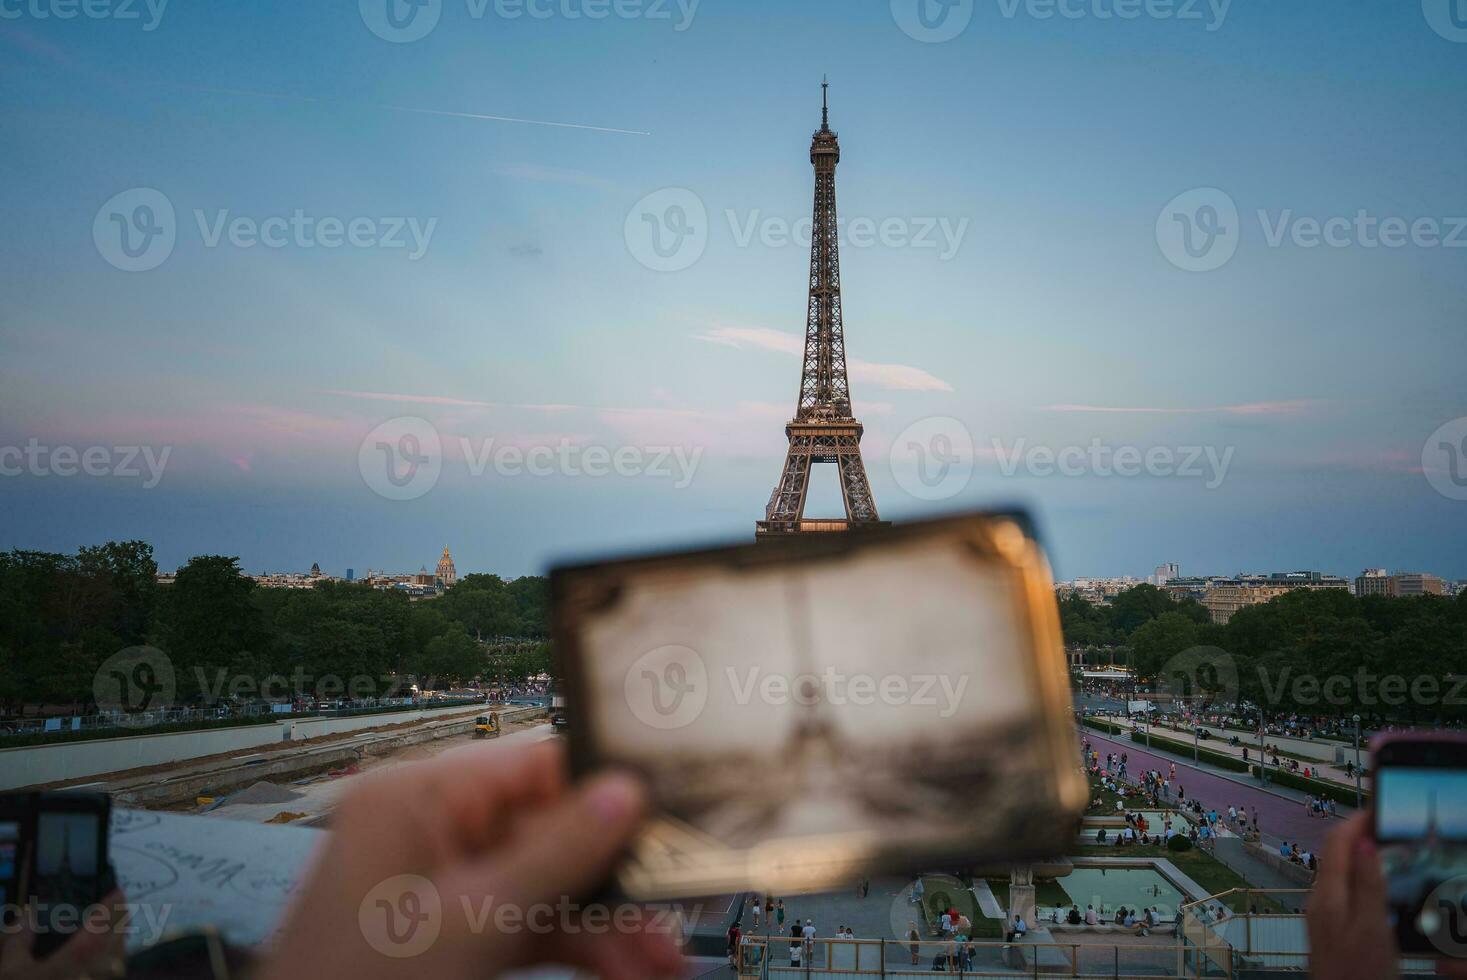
x: 824, y: 429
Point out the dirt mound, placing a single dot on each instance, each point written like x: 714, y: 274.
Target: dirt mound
x: 415, y: 752
x: 263, y: 792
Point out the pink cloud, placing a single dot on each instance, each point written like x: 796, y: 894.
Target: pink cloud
x: 899, y: 377
x: 1247, y: 408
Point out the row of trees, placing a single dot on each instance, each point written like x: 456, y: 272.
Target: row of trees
x: 62, y: 616
x: 1311, y: 652
x: 1109, y: 628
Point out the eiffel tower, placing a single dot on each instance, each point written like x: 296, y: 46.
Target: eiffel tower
x: 823, y: 429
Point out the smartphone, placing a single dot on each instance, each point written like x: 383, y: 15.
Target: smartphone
x: 1421, y: 832
x: 69, y: 870
x: 15, y: 815
x: 847, y: 705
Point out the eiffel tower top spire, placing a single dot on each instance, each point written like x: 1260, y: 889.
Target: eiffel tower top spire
x: 824, y: 104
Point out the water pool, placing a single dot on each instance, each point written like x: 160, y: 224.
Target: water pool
x: 1110, y: 888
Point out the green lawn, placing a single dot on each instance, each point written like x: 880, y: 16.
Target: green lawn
x: 1047, y: 891
x: 939, y: 893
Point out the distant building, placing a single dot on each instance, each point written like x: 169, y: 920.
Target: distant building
x: 1416, y: 583
x: 1193, y: 587
x: 1099, y: 591
x: 351, y: 574
x: 447, y: 574
x: 1375, y: 581
x: 1224, y: 597
x: 315, y: 570
x: 1165, y: 573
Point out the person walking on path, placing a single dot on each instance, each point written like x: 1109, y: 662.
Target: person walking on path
x: 756, y: 908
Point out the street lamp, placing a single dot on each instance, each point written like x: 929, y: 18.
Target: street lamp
x: 1356, y: 719
x: 1262, y: 756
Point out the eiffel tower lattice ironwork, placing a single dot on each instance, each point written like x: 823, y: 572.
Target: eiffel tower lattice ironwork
x: 824, y: 430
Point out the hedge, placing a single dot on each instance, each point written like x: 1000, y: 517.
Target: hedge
x: 1231, y: 763
x: 1104, y: 726
x: 27, y: 739
x: 1319, y: 787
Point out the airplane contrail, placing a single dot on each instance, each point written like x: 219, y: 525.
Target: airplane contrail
x: 415, y: 109
x: 516, y: 119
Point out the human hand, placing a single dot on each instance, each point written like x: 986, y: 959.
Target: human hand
x: 1349, y: 933
x: 448, y: 868
x: 89, y: 953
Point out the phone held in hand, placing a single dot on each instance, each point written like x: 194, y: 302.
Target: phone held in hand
x: 809, y: 712
x: 69, y: 870
x: 1420, y: 784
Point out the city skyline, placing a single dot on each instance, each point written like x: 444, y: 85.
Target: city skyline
x: 1015, y: 311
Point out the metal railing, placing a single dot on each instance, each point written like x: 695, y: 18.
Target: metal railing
x: 125, y: 723
x: 774, y: 956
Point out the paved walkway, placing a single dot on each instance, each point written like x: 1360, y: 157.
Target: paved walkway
x: 1219, y: 743
x: 1282, y: 814
x: 987, y: 901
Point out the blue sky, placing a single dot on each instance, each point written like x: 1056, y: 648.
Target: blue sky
x: 1029, y: 291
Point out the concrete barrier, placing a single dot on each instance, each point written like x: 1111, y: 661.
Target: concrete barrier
x: 1270, y: 856
x: 34, y: 765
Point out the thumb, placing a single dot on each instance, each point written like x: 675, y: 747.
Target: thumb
x: 567, y: 848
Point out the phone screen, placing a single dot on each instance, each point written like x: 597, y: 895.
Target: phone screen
x: 1421, y: 826
x: 67, y: 871
x: 9, y: 862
